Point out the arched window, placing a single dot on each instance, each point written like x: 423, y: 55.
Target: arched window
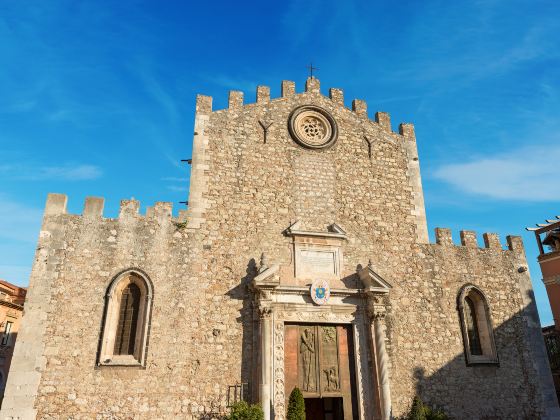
x: 476, y: 326
x: 125, y: 326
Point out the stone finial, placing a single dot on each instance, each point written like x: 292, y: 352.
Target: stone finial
x: 407, y: 130
x: 492, y: 240
x: 313, y: 85
x: 515, y: 243
x: 235, y: 99
x: 443, y: 236
x: 93, y: 207
x: 359, y: 107
x: 56, y: 204
x: 337, y: 96
x: 384, y: 120
x: 468, y: 239
x: 288, y: 88
x: 263, y: 94
x: 203, y: 104
x: 263, y: 263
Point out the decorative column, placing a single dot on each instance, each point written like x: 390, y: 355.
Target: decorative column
x: 265, y: 313
x: 263, y: 286
x: 377, y: 313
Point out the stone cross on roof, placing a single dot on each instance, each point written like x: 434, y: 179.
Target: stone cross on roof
x: 311, y: 68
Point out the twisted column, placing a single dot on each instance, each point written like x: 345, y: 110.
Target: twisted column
x: 377, y: 313
x: 265, y: 313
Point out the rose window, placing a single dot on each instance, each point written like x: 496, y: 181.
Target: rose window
x: 312, y: 127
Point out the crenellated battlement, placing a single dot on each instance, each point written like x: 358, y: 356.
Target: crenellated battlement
x: 129, y: 209
x: 469, y: 239
x: 236, y: 102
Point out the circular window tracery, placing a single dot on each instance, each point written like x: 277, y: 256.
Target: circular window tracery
x: 312, y: 127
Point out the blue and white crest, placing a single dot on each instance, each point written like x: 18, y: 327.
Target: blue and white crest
x: 320, y: 292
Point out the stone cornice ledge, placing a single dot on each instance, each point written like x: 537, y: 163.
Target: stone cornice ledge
x: 335, y: 231
x: 304, y: 290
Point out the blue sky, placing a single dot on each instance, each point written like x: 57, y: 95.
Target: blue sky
x: 98, y: 99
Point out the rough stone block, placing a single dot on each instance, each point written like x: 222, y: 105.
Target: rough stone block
x: 359, y: 107
x: 93, y: 207
x: 56, y: 204
x: 468, y: 239
x: 492, y: 240
x: 129, y: 208
x: 313, y: 85
x: 384, y: 120
x: 263, y: 94
x: 288, y: 88
x: 203, y: 104
x: 163, y: 210
x: 443, y: 236
x: 235, y: 100
x: 407, y: 130
x: 515, y: 243
x: 337, y: 96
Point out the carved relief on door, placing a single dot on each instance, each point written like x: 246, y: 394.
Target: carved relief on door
x: 319, y: 359
x: 312, y: 359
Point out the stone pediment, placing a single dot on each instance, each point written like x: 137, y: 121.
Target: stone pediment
x: 333, y: 231
x: 372, y: 281
x: 268, y: 277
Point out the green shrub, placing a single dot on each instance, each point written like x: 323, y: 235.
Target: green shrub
x: 296, y: 406
x: 420, y: 411
x: 243, y: 411
x: 417, y: 410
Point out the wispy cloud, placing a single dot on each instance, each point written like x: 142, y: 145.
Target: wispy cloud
x: 233, y: 83
x: 177, y: 184
x: 178, y: 188
x: 175, y: 179
x: 528, y: 174
x: 67, y: 172
x: 19, y: 222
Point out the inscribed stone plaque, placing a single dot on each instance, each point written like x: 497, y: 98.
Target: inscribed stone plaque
x: 318, y: 262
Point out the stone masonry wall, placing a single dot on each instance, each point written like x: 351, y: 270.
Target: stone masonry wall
x: 244, y: 193
x: 426, y: 343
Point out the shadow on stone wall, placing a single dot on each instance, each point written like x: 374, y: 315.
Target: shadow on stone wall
x: 507, y: 390
x: 250, y: 328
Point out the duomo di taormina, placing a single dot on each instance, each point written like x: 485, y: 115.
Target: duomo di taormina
x: 303, y: 260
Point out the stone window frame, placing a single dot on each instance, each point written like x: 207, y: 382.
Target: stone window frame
x: 105, y: 354
x: 485, y: 327
x: 7, y: 334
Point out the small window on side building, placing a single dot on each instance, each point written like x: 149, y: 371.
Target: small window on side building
x: 126, y: 320
x: 6, y: 335
x: 476, y: 327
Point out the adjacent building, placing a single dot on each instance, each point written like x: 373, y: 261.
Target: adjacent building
x: 12, y: 299
x: 303, y: 260
x: 547, y: 236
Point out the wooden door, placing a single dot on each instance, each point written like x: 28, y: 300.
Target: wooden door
x: 319, y: 360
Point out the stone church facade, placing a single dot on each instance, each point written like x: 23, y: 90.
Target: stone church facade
x: 303, y: 260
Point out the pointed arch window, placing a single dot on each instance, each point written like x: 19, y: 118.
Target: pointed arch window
x: 126, y: 320
x: 476, y: 327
